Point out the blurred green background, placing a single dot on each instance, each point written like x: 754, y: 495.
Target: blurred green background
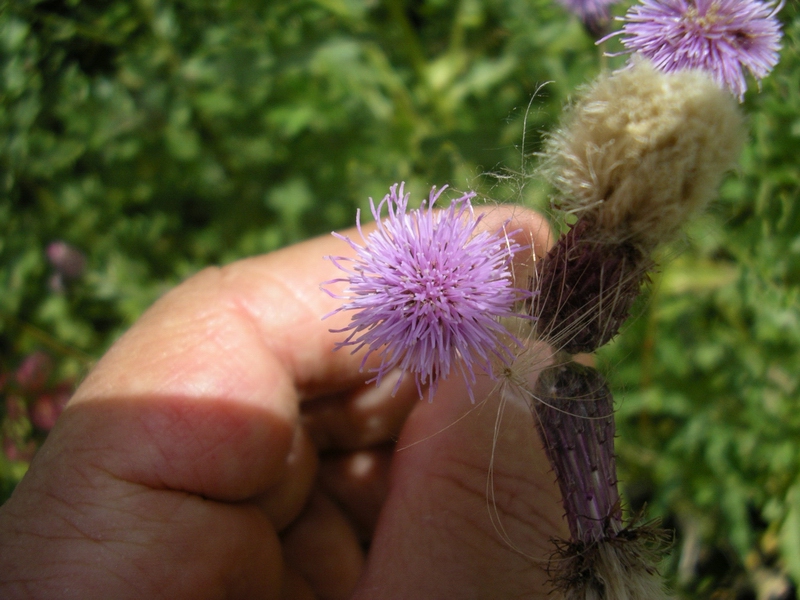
x: 145, y: 139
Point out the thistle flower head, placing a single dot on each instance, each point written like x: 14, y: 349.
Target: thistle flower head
x: 722, y: 37
x: 427, y: 290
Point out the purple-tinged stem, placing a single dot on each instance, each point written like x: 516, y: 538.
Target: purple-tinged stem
x: 575, y: 416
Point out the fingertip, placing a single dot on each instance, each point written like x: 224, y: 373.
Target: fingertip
x: 534, y: 229
x: 284, y: 501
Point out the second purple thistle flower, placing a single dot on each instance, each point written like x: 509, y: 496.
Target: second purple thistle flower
x: 722, y: 37
x: 427, y: 290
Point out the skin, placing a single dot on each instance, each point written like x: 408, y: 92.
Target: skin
x: 221, y: 449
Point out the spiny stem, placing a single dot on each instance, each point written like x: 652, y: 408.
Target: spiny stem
x: 576, y: 421
x: 605, y: 559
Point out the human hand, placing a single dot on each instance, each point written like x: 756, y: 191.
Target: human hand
x: 221, y: 449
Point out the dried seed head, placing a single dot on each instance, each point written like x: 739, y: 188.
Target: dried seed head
x: 586, y: 288
x: 642, y: 150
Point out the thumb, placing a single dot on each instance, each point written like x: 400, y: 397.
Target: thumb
x: 472, y: 504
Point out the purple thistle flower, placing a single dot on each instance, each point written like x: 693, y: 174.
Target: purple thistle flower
x: 718, y: 36
x: 427, y: 291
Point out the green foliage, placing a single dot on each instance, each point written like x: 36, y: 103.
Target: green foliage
x: 161, y: 136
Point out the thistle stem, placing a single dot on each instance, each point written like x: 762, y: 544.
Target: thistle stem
x: 576, y: 421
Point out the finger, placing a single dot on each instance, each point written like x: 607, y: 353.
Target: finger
x: 72, y: 530
x: 368, y: 416
x: 322, y: 547
x: 476, y: 492
x: 189, y: 399
x: 283, y: 502
x: 295, y: 587
x: 359, y: 483
x: 210, y: 447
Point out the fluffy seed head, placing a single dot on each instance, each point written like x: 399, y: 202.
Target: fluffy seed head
x: 427, y: 290
x: 642, y: 150
x: 722, y: 37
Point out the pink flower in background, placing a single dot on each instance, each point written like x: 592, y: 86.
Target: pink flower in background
x: 722, y: 37
x: 31, y: 397
x: 69, y: 264
x: 66, y: 259
x: 427, y: 291
x: 48, y: 406
x: 33, y: 373
x: 22, y: 452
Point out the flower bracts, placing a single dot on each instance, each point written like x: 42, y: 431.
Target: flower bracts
x: 586, y: 288
x: 576, y: 422
x: 605, y: 559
